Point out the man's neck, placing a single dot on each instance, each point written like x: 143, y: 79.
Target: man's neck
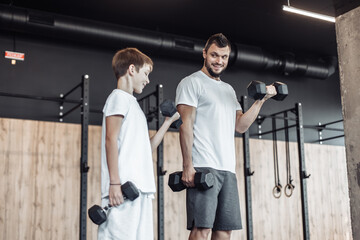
x: 204, y: 70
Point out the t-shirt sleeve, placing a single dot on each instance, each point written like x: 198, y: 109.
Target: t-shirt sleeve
x: 116, y: 104
x: 238, y: 106
x: 187, y: 92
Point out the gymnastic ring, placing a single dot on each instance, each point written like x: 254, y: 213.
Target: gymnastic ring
x: 291, y: 187
x: 277, y: 191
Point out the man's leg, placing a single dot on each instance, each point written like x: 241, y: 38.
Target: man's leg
x: 221, y: 235
x: 199, y: 233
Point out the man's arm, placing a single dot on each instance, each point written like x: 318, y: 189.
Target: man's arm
x: 244, y: 120
x: 187, y: 114
x: 159, y: 135
x: 113, y: 125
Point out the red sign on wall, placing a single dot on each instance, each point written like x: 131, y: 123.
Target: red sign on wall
x: 15, y: 55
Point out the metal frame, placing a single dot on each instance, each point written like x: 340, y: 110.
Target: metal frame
x: 84, y: 168
x: 247, y: 175
x: 154, y: 112
x: 302, y: 170
x: 324, y: 126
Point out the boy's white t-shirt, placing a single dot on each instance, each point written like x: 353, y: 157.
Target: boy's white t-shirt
x: 134, y: 149
x: 214, y: 127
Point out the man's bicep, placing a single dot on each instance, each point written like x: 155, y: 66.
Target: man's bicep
x: 186, y: 111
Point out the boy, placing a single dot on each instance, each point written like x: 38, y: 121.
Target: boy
x: 127, y: 151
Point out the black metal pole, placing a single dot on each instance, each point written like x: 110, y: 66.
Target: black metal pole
x: 302, y: 171
x: 51, y: 99
x: 329, y: 138
x: 160, y: 165
x: 247, y: 175
x: 274, y: 130
x: 84, y: 168
x: 63, y: 96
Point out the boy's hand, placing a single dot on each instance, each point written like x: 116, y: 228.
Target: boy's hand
x: 115, y: 195
x: 174, y: 117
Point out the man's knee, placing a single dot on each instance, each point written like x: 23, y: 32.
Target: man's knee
x: 199, y: 233
x: 221, y: 235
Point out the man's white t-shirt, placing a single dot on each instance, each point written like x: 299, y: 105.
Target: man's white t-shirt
x: 134, y: 149
x: 214, y: 127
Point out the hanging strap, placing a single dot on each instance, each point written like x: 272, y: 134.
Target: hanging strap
x: 289, y: 188
x: 278, y: 187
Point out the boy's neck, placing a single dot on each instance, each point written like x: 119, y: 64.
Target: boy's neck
x: 126, y: 85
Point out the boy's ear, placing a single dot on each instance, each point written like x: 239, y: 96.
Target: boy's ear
x: 131, y: 69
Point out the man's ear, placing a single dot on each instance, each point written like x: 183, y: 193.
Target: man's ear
x: 204, y: 53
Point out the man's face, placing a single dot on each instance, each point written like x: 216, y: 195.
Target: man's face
x: 216, y: 59
x: 141, y: 78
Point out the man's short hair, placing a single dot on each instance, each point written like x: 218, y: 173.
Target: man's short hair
x: 127, y: 56
x: 219, y: 39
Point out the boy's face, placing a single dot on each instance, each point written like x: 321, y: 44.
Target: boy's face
x: 141, y: 78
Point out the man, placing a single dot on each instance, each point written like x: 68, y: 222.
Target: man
x: 126, y: 151
x: 211, y: 114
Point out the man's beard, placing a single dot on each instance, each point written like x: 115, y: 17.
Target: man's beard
x: 213, y: 74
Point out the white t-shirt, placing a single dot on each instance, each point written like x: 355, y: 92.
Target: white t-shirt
x: 214, y: 127
x: 134, y: 149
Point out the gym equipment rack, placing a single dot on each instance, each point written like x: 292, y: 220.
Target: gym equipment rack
x: 297, y: 111
x: 83, y: 103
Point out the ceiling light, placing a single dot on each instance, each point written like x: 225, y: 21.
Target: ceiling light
x: 308, y: 13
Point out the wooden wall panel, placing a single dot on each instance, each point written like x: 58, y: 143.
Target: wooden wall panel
x: 328, y: 195
x: 40, y: 186
x: 274, y: 218
x: 94, y: 176
x: 39, y: 180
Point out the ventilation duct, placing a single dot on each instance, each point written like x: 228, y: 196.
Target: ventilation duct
x: 81, y: 30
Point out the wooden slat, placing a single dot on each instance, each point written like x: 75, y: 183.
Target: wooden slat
x: 94, y: 176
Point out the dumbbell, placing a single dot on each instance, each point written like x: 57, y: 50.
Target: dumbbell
x: 98, y: 215
x: 203, y: 181
x: 257, y: 90
x: 168, y: 109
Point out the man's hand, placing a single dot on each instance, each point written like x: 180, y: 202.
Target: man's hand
x: 188, y: 176
x: 270, y: 92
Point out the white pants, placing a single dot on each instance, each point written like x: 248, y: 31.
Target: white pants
x: 132, y: 220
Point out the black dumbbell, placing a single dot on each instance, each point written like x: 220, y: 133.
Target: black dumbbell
x: 168, y: 109
x: 203, y: 181
x: 257, y: 90
x: 98, y: 215
x: 281, y: 91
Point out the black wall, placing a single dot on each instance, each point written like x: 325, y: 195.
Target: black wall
x: 52, y: 67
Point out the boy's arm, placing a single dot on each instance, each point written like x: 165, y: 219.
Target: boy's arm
x: 159, y: 135
x: 188, y: 114
x: 113, y: 125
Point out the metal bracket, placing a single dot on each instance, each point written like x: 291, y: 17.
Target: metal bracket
x: 304, y: 175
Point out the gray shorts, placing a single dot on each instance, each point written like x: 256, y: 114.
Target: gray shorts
x: 217, y: 208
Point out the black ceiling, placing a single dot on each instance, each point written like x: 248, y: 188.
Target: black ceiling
x: 253, y: 22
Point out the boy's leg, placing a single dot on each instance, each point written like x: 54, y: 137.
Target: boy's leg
x: 122, y: 221
x: 145, y: 229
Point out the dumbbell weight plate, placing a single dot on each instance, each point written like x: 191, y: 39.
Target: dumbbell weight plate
x: 256, y: 90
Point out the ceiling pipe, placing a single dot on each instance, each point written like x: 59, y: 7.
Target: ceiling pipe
x: 81, y: 30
